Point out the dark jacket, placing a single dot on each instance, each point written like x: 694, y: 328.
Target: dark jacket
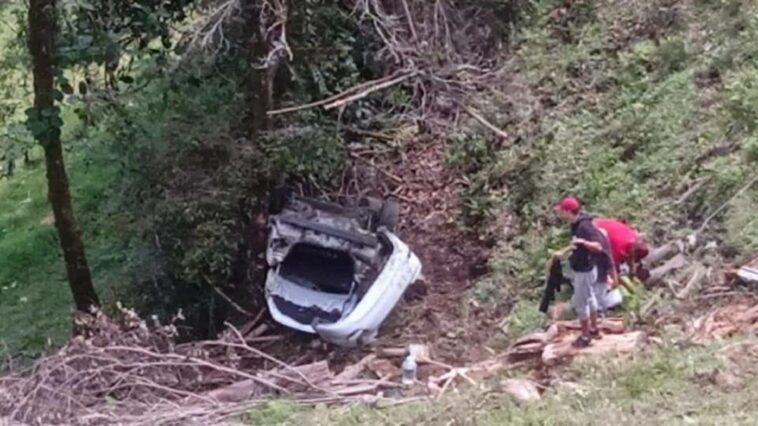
x: 583, y: 259
x: 554, y: 280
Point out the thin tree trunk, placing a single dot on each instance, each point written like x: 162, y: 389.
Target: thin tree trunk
x: 42, y: 29
x: 258, y: 92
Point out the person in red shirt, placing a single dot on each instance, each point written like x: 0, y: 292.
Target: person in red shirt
x: 626, y: 245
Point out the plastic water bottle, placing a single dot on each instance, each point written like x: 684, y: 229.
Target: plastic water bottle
x: 409, y: 370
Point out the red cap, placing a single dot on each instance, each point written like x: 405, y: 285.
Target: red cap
x: 569, y: 204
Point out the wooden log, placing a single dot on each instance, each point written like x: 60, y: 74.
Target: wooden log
x: 419, y: 351
x: 612, y: 343
x: 606, y: 326
x: 661, y: 253
x: 358, y: 389
x: 236, y: 392
x: 658, y: 274
x: 351, y: 372
x: 543, y: 337
x: 384, y: 369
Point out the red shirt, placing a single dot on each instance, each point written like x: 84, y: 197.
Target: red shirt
x: 620, y: 235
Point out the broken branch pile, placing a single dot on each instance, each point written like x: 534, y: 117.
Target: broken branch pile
x: 726, y: 321
x: 439, y: 51
x: 126, y: 373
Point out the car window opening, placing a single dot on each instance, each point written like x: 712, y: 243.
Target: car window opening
x: 319, y: 268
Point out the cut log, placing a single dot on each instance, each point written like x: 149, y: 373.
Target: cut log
x: 351, y: 372
x: 606, y: 326
x: 302, y: 377
x: 658, y: 274
x: 661, y: 253
x: 526, y: 352
x: 236, y: 392
x: 543, y: 337
x: 358, y: 389
x: 384, y: 369
x: 419, y: 351
x: 258, y: 331
x: 611, y: 343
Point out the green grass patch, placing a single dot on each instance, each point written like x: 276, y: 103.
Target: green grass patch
x: 35, y: 302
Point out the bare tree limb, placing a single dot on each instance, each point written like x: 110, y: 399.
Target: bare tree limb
x: 723, y: 206
x: 368, y: 91
x: 332, y: 99
x: 484, y: 122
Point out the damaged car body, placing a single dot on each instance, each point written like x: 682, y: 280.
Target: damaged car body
x: 335, y: 269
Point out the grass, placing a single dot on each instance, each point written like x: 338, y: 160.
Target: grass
x: 668, y: 385
x: 35, y: 302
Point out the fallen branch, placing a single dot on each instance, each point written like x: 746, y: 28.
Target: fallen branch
x: 368, y: 91
x: 335, y: 98
x: 396, y: 179
x: 276, y: 361
x: 484, y: 122
x: 723, y: 206
x: 239, y: 308
x: 694, y: 188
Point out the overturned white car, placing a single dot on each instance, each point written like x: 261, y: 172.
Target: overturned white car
x: 337, y: 270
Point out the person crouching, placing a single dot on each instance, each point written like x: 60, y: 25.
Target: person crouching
x: 586, y: 252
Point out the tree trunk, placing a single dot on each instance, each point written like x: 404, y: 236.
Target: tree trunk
x: 258, y: 84
x: 42, y: 29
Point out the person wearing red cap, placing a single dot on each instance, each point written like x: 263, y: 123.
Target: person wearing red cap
x: 626, y: 245
x: 587, y: 256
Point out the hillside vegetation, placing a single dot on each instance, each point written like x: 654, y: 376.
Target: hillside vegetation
x: 642, y: 109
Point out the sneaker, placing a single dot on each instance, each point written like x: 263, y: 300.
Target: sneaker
x: 582, y: 342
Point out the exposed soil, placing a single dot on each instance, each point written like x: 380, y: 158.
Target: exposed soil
x: 436, y: 310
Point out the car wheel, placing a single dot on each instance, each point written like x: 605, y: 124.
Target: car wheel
x: 278, y: 199
x: 389, y: 215
x: 374, y: 205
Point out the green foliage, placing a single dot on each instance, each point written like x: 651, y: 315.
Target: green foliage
x: 273, y: 413
x: 32, y: 277
x: 470, y: 153
x: 524, y: 318
x: 100, y: 31
x: 652, y: 377
x: 741, y: 103
x: 44, y: 123
x: 183, y: 176
x: 330, y: 49
x: 751, y: 149
x: 741, y: 223
x: 312, y: 149
x: 15, y: 87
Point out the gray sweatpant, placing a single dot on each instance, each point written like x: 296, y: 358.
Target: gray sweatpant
x: 599, y: 289
x: 584, y: 296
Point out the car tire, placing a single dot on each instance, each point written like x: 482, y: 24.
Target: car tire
x: 278, y: 199
x: 388, y: 215
x: 374, y: 205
